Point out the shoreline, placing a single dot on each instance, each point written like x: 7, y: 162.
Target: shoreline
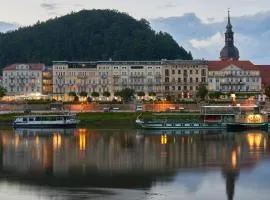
x: 111, y: 119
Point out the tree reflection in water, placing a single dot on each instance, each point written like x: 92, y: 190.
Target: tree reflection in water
x: 125, y: 159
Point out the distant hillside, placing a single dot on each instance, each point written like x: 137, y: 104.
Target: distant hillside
x: 4, y: 27
x: 89, y: 35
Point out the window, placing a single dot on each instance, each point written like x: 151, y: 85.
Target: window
x: 203, y: 79
x: 203, y: 72
x: 167, y: 72
x: 179, y: 88
x: 191, y: 87
x: 179, y: 80
x: 173, y: 71
x: 167, y: 80
x: 179, y: 71
x: 190, y: 80
x: 190, y: 71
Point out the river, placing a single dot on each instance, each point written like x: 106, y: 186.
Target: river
x: 67, y: 164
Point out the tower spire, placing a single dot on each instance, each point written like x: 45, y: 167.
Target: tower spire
x: 229, y: 25
x: 229, y: 51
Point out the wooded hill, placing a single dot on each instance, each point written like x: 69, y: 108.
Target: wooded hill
x: 89, y: 35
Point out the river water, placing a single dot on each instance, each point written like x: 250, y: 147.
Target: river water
x: 67, y: 164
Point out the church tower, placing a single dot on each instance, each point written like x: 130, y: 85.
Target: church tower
x: 229, y: 51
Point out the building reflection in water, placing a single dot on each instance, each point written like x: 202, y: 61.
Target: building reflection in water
x: 83, y: 152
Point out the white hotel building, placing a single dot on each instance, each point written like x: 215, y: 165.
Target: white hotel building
x: 234, y: 76
x: 112, y: 76
x: 23, y: 79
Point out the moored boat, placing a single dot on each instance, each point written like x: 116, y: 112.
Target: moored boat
x: 57, y: 120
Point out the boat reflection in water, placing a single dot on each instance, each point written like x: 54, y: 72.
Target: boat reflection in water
x: 126, y: 159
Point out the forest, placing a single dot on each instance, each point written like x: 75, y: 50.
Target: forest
x: 88, y: 35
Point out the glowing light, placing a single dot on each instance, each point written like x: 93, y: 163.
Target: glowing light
x: 163, y: 139
x: 254, y: 140
x: 17, y: 141
x: 234, y: 159
x: 37, y: 140
x: 82, y: 141
x: 57, y: 141
x: 254, y: 118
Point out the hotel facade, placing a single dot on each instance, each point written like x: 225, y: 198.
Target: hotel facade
x: 175, y: 78
x: 23, y: 79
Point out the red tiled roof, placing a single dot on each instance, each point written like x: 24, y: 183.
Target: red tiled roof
x: 265, y: 74
x: 33, y: 66
x: 220, y: 64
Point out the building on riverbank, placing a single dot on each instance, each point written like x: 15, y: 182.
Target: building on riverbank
x: 176, y: 78
x: 23, y: 79
x: 229, y: 74
x: 234, y: 76
x: 27, y: 80
x: 182, y: 78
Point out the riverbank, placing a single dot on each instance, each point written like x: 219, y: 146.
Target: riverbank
x: 111, y: 119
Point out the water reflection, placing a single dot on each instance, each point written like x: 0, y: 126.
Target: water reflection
x: 126, y: 159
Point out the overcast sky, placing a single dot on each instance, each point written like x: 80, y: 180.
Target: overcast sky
x: 26, y: 12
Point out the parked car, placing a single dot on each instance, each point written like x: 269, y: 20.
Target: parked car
x: 106, y: 109
x: 139, y: 108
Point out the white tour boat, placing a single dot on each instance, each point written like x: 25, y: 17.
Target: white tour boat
x: 56, y: 120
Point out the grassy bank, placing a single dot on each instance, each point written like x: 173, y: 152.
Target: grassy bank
x: 111, y: 119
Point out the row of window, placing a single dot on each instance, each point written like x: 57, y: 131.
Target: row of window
x: 236, y: 80
x: 180, y: 88
x: 185, y: 80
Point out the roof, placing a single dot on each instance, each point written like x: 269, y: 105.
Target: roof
x: 220, y: 64
x: 265, y: 74
x: 33, y: 66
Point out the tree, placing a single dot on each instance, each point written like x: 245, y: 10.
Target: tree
x: 127, y: 94
x: 2, y: 91
x: 117, y: 94
x: 95, y: 94
x: 72, y: 94
x: 152, y: 94
x: 141, y: 94
x: 202, y: 92
x: 267, y: 91
x: 215, y: 95
x: 106, y: 94
x: 111, y: 33
x: 83, y: 94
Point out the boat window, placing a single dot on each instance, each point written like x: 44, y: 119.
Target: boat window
x: 38, y: 118
x: 31, y: 119
x: 25, y: 119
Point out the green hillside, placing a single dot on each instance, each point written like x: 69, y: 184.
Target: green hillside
x: 89, y: 35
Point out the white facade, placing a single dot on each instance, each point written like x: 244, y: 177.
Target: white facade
x: 23, y: 79
x: 106, y: 76
x: 234, y: 78
x: 74, y: 77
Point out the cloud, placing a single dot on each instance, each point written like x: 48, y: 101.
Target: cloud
x: 213, y: 41
x: 48, y: 6
x: 168, y: 5
x: 205, y: 40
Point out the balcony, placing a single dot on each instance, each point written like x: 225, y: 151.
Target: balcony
x: 136, y: 76
x: 82, y: 77
x: 232, y: 83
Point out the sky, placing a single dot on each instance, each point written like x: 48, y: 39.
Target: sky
x: 197, y: 25
x: 29, y: 11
